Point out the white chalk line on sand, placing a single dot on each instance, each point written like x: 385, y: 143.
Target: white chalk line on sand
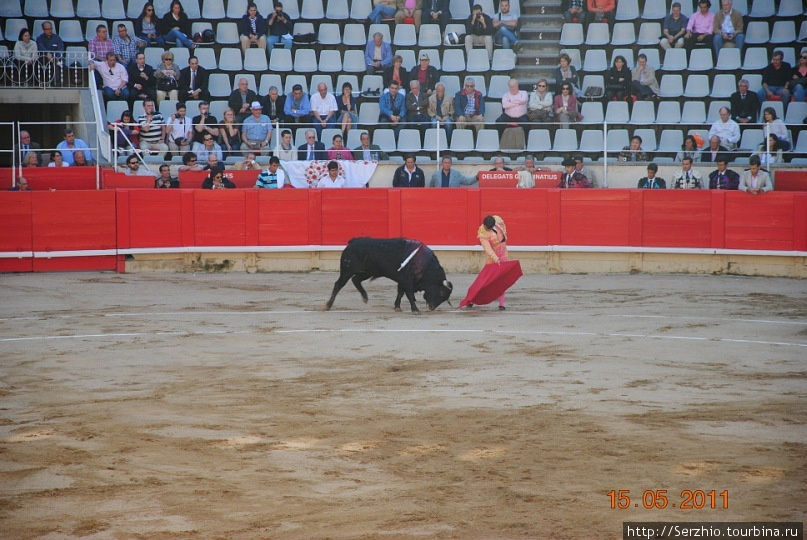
x: 198, y: 313
x: 400, y: 330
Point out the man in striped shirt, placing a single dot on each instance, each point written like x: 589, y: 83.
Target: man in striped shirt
x: 152, y: 130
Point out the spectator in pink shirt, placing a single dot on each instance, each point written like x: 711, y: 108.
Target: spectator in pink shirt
x: 514, y: 106
x: 337, y: 151
x: 700, y: 27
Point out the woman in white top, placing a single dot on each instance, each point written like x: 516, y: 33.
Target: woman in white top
x: 777, y: 127
x: 286, y: 151
x: 25, y: 53
x: 539, y: 109
x: 773, y: 155
x: 56, y: 160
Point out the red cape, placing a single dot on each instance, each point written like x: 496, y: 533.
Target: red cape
x: 492, y: 281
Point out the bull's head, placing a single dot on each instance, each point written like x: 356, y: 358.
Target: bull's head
x: 437, y: 293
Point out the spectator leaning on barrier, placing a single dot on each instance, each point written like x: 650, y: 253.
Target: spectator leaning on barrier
x: 377, y: 54
x: 252, y: 29
x: 152, y: 130
x: 409, y: 174
x: 126, y: 47
x: 133, y: 168
x: 700, y: 28
x: 21, y: 185
x: 754, y: 180
x: 728, y: 26
x: 687, y: 177
x: 651, y: 181
x: 281, y: 27
x: 190, y: 162
x: 165, y: 180
x: 744, y: 104
x: 332, y: 179
x: 723, y: 177
x: 479, y: 31
x: 49, y: 42
x: 674, y: 28
x: 272, y: 177
x: 57, y: 159
x: 69, y: 144
x: 368, y: 152
x: 506, y: 24
x: 114, y: 76
x: 726, y: 129
x: 446, y: 176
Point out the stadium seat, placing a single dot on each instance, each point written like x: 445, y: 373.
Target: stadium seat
x: 697, y: 86
x: 676, y: 59
x: 589, y: 81
x: 227, y: 33
x: 503, y: 60
x: 13, y: 27
x: 669, y: 113
x: 627, y: 54
x: 292, y: 7
x: 654, y: 10
x: 408, y: 56
x: 700, y: 60
x: 63, y: 9
x: 627, y: 10
x: 649, y: 33
x: 37, y: 9
x: 597, y: 34
x: 648, y: 138
x: 783, y: 32
x: 354, y: 61
x: 493, y: 110
x: 304, y: 28
x: 595, y: 61
x: 89, y: 30
x: 181, y: 55
x: 153, y: 55
x: 267, y: 81
x: 462, y: 140
x: 478, y: 61
x: 592, y: 112
x: 328, y: 135
x: 70, y: 31
x: 723, y: 85
x: 169, y: 107
x: 643, y: 113
x: 796, y: 113
x: 714, y: 110
x: 113, y: 9
x: 751, y: 139
x: 292, y: 79
x: 255, y: 60
x: 616, y: 139
x: 385, y: 139
x: 354, y: 35
x: 652, y: 57
x: 487, y: 141
x: 192, y: 9
x: 10, y: 9
x: 788, y: 55
x: 372, y: 82
x: 88, y: 9
x: 671, y: 86
x: 330, y: 61
x: 574, y: 56
x: 115, y: 108
x: 756, y: 33
x: 624, y: 34
x: 280, y: 61
x: 754, y: 81
x: 409, y: 140
x: 237, y: 8
x: 207, y: 58
x: 219, y: 85
x: 329, y: 34
x: 671, y: 140
x: 776, y: 105
x: 801, y: 143
x: 460, y: 10
x: 404, y: 36
x: 762, y: 9
x: 454, y: 60
x: 565, y: 140
x: 360, y: 9
x: 538, y: 140
x: 790, y: 8
x: 755, y: 58
x: 354, y: 138
x: 161, y: 7
x: 78, y: 54
x: 337, y: 10
x: 591, y: 140
x: 728, y: 59
x: 311, y: 10
x: 368, y: 113
x: 383, y: 28
x: 616, y: 112
x: 434, y: 138
x: 201, y: 26
x: 218, y: 107
x: 429, y: 35
x: 571, y: 35
x: 452, y: 83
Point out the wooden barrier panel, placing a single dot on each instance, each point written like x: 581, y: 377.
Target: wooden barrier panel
x: 283, y: 217
x: 436, y: 216
x: 760, y: 221
x: 150, y: 218
x: 16, y: 230
x: 526, y: 212
x: 220, y: 218
x: 676, y: 218
x: 785, y: 180
x: 595, y: 217
x: 45, y: 178
x: 347, y: 213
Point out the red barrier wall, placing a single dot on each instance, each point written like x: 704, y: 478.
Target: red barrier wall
x: 133, y: 218
x: 44, y: 178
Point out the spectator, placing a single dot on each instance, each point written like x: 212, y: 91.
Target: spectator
x: 526, y: 173
x: 257, y: 131
x: 167, y: 78
x: 332, y: 179
x: 409, y: 12
x: 674, y: 28
x: 217, y: 180
x: 297, y: 108
x: 469, y: 106
x: 383, y: 9
x: 585, y: 171
x: 241, y: 99
x: 754, y: 180
x: 272, y: 177
x: 744, y: 104
x: 180, y: 131
x: 25, y: 51
x: 700, y: 28
x: 213, y: 163
x: 165, y: 180
x: 204, y: 123
x: 100, y: 45
x: 776, y: 127
x: 193, y: 81
x: 514, y: 106
x: 446, y: 176
x: 409, y: 174
x: 392, y: 107
x: 634, y: 152
x: 441, y: 108
x: 128, y: 131
x: 190, y: 162
x: 346, y: 103
x: 539, y: 108
x: 417, y: 106
x: 286, y: 150
x: 338, y: 151
x: 146, y: 26
x: 323, y: 109
x: 775, y: 80
x: 152, y: 130
x: 566, y: 106
x: 125, y: 47
x: 377, y: 54
x: 48, y: 42
x: 601, y: 11
x: 142, y: 82
x: 280, y: 27
x: 427, y: 75
x: 253, y: 29
x: 687, y: 177
x: 115, y: 78
x: 714, y: 151
x: 644, y: 84
x: 273, y: 105
x: 175, y: 26
x: 728, y: 26
x: 31, y: 159
x: 439, y: 13
x: 57, y: 159
x: 689, y: 150
x: 248, y: 163
x: 576, y: 12
x: 506, y: 25
x: 498, y: 164
x: 723, y: 177
x: 618, y: 81
x: 726, y: 129
x: 770, y: 151
x: 133, y: 168
x: 27, y: 146
x: 368, y: 152
x: 230, y: 134
x: 21, y: 185
x: 80, y: 160
x: 69, y: 144
x: 206, y: 147
x: 798, y: 83
x: 565, y: 73
x: 651, y: 181
x: 572, y: 178
x: 479, y: 31
x: 312, y: 149
x: 396, y: 73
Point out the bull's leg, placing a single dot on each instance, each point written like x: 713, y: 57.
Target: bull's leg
x: 357, y: 279
x: 343, y: 277
x: 410, y: 295
x: 398, y: 298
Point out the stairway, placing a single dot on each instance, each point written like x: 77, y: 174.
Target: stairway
x: 541, y: 22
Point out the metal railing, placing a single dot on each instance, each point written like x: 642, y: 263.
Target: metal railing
x: 45, y: 70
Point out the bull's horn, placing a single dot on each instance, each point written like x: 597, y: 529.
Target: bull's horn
x: 448, y: 284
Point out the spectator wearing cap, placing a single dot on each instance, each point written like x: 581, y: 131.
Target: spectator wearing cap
x: 438, y: 12
x: 651, y: 181
x: 469, y: 106
x: 240, y: 100
x: 377, y: 54
x: 297, y: 107
x: 280, y: 27
x: 426, y: 74
x: 332, y: 179
x: 257, y: 131
x: 479, y: 30
x: 323, y: 109
x: 674, y: 28
x: 573, y: 178
x: 506, y: 24
x: 252, y: 29
x: 723, y: 177
x: 754, y: 180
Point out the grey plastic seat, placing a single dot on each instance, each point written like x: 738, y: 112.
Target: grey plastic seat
x: 360, y: 9
x: 292, y: 79
x: 10, y: 9
x: 368, y: 113
x: 676, y: 59
x: 192, y: 9
x: 790, y: 8
x: 409, y: 140
x: 88, y: 9
x: 616, y: 112
x: 796, y: 113
x: 538, y: 140
x: 454, y: 60
x: 624, y: 34
x: 372, y: 82
x: 493, y: 110
x: 227, y: 33
x: 643, y: 113
x: 654, y: 10
x: 487, y: 141
x: 115, y: 108
x: 801, y: 143
x: 330, y: 61
x: 434, y: 138
x: 503, y: 60
x: 77, y: 54
x: 751, y: 139
x: 237, y: 8
x: 70, y: 31
x: 337, y: 10
x: 648, y: 138
x: 757, y: 33
x: 311, y: 10
x: 405, y: 35
x: 723, y: 86
x: 63, y: 9
x: 783, y: 32
x: 354, y: 61
x: 714, y: 110
x: 595, y: 61
x: 429, y: 35
x: 565, y: 140
x: 627, y: 10
x: 571, y: 35
x: 592, y: 140
x: 762, y: 9
x: 380, y: 27
x: 153, y: 55
x: 597, y: 34
x: 329, y: 34
x: 255, y: 60
x: 280, y: 60
x: 408, y: 56
x: 697, y: 86
x: 754, y: 81
x: 452, y: 83
x: 207, y: 58
x: 218, y: 84
x: 267, y: 81
x: 671, y: 140
x: 462, y: 140
x: 113, y: 9
x: 592, y: 111
x: 292, y: 7
x: 37, y: 9
x: 354, y: 35
x: 755, y: 58
x: 169, y: 107
x: 672, y: 86
x: 616, y: 140
x: 592, y: 80
x: 700, y: 60
x: 728, y: 59
x: 649, y: 33
x: 181, y: 56
x: 385, y: 139
x: 460, y: 10
x: 498, y: 86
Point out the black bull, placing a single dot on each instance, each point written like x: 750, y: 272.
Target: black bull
x: 412, y: 265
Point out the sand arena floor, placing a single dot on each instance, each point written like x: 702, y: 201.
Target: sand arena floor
x: 232, y: 406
